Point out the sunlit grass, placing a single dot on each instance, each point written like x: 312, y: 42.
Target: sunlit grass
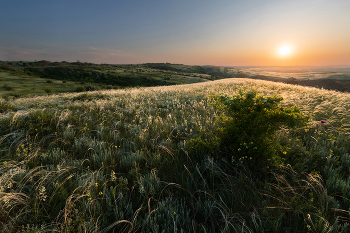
x: 24, y: 86
x: 117, y: 159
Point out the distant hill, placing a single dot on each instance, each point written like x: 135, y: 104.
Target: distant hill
x: 89, y: 76
x: 326, y: 77
x: 333, y: 82
x: 149, y: 74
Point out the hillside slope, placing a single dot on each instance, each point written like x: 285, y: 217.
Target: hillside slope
x: 20, y: 78
x: 122, y: 160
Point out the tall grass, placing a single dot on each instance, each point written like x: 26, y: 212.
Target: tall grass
x: 117, y: 161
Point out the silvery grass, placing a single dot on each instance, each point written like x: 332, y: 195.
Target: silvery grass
x: 91, y: 162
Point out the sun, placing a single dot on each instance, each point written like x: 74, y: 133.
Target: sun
x: 285, y: 50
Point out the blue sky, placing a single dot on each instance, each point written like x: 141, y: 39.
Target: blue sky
x: 199, y: 32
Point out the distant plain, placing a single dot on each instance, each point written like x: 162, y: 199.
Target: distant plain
x: 326, y: 77
x: 301, y: 72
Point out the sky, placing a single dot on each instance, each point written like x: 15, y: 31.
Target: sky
x: 192, y: 32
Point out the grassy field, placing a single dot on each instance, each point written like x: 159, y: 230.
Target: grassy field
x: 124, y: 161
x: 15, y: 85
x: 21, y: 79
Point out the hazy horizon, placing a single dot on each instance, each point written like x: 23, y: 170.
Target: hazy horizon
x: 222, y: 33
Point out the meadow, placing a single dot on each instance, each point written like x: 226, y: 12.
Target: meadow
x: 15, y: 86
x: 138, y: 160
x: 23, y: 79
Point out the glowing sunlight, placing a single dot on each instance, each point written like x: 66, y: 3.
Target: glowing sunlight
x: 285, y: 50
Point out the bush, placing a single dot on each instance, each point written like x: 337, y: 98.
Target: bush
x: 49, y: 81
x: 8, y: 88
x: 48, y: 90
x: 5, y: 106
x: 15, y: 95
x: 80, y: 89
x: 90, y: 88
x: 7, y: 67
x: 241, y: 75
x: 6, y: 97
x: 247, y: 124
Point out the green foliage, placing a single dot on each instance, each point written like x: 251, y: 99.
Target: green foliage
x: 90, y: 88
x: 48, y: 90
x: 80, y: 89
x: 247, y: 124
x: 171, y: 216
x: 8, y: 88
x: 36, y: 76
x: 6, y: 66
x: 6, y: 106
x: 241, y: 75
x: 149, y: 160
x: 202, y: 146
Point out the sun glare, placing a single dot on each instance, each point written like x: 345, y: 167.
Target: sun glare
x: 285, y: 50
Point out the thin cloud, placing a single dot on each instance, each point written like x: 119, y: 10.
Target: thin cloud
x: 14, y: 53
x: 89, y: 54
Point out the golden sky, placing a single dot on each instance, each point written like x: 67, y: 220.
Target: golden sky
x: 198, y: 32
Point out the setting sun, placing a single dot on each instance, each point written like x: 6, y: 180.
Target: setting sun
x: 285, y: 50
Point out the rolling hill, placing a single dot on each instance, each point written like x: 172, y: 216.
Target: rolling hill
x: 139, y: 160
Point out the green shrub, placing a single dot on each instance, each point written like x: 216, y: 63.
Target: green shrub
x: 15, y: 95
x: 48, y: 90
x: 6, y: 97
x: 241, y: 75
x: 247, y: 124
x: 5, y: 106
x: 8, y: 88
x: 80, y: 89
x: 7, y: 67
x: 90, y: 88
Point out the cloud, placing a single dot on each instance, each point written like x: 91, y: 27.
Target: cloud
x: 57, y: 53
x: 106, y: 55
x: 13, y: 53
